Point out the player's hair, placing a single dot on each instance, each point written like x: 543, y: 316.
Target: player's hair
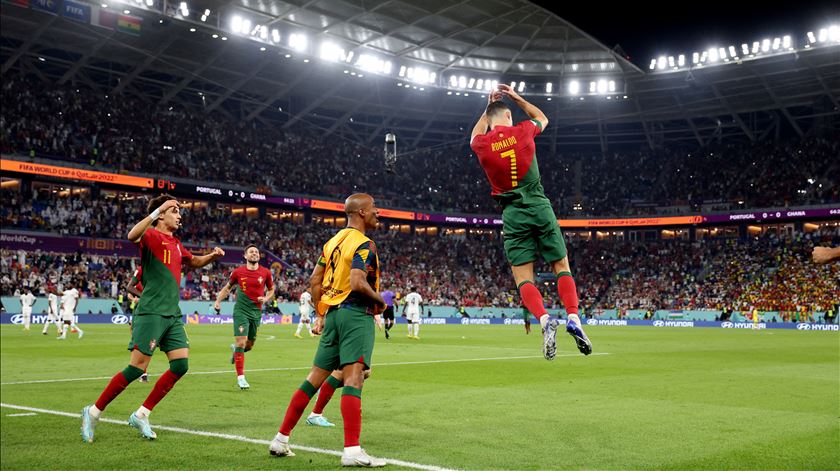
x: 496, y: 109
x: 155, y: 203
x: 411, y: 289
x: 252, y: 245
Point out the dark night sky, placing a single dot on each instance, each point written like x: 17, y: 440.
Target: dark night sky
x: 645, y: 32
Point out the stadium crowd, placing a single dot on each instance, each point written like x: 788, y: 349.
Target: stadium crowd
x: 117, y: 132
x: 767, y: 272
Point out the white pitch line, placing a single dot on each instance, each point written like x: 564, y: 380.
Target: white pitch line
x: 303, y: 368
x: 27, y: 414
x: 226, y: 436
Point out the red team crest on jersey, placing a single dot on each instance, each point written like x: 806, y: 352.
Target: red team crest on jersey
x: 260, y: 279
x: 241, y: 329
x: 152, y: 344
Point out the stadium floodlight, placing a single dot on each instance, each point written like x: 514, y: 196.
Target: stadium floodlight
x: 349, y: 57
x: 823, y: 35
x: 480, y: 84
x: 462, y: 82
x: 246, y: 27
x: 811, y: 38
x: 330, y: 51
x: 755, y: 47
x: 681, y: 60
x: 602, y: 87
x: 275, y: 35
x: 488, y: 85
x: 264, y: 33
x: 765, y: 45
x: 521, y: 87
x: 695, y: 58
x: 494, y: 85
x: 204, y: 15
x: 745, y: 48
x: 661, y: 62
x: 612, y: 85
x: 652, y: 64
x: 722, y: 52
x: 150, y: 3
x: 732, y: 52
x: 574, y: 87
x: 402, y: 71
x: 549, y: 87
x: 453, y: 81
x: 185, y: 10
x: 513, y: 85
x: 786, y: 42
x: 593, y: 87
x: 236, y: 23
x: 834, y: 33
x: 297, y: 42
x: 777, y: 42
x: 471, y: 83
x: 433, y: 77
x: 713, y: 55
x: 670, y: 61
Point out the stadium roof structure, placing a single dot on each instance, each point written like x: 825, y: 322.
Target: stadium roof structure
x: 361, y: 68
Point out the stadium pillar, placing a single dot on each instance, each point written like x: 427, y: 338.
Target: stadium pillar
x: 692, y: 233
x: 742, y: 232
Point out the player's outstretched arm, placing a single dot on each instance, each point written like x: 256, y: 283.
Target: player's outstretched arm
x: 136, y: 232
x: 531, y: 110
x: 223, y: 294
x: 825, y: 254
x: 204, y: 260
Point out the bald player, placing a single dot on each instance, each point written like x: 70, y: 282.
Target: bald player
x: 345, y: 288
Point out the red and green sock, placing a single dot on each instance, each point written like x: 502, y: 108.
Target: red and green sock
x: 300, y: 399
x: 351, y: 412
x: 239, y: 360
x: 325, y: 393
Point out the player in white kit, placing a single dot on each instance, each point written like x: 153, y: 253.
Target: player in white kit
x: 69, y: 299
x: 27, y: 300
x: 412, y: 308
x: 305, y: 310
x: 53, y: 316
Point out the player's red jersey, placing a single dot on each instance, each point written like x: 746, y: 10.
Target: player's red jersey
x: 252, y: 282
x: 508, y: 156
x: 161, y: 256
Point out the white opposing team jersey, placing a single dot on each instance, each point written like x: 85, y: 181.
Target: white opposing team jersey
x: 26, y: 302
x: 412, y: 302
x: 53, y: 300
x: 69, y: 300
x: 305, y: 304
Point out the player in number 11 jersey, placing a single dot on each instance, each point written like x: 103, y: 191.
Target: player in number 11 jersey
x: 507, y: 153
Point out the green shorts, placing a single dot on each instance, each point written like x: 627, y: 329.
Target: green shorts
x: 532, y: 231
x: 151, y: 331
x: 347, y: 338
x: 244, y: 325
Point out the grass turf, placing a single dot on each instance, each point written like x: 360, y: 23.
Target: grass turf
x: 659, y: 399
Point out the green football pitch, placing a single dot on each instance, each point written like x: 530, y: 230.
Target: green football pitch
x: 462, y: 397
